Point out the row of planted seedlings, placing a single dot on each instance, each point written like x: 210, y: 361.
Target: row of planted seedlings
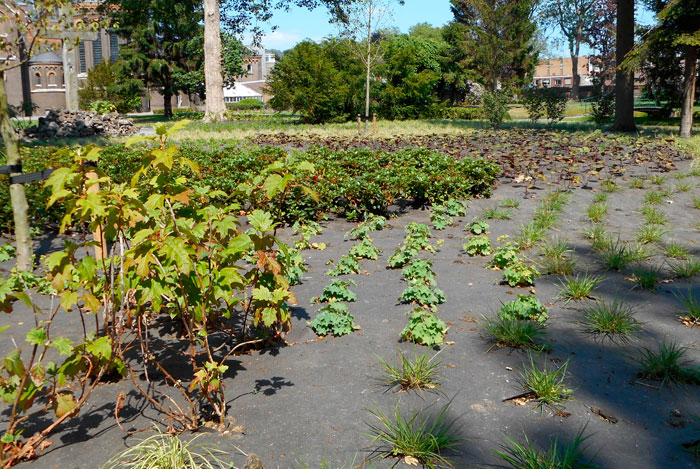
x: 333, y: 318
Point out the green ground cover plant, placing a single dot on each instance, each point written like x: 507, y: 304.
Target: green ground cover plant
x: 578, y: 287
x: 478, y: 227
x: 419, y: 272
x: 417, y: 238
x: 306, y: 230
x: 419, y: 372
x: 365, y: 250
x: 424, y: 295
x: 524, y: 308
x: 600, y: 239
x: 653, y: 215
x: 547, y: 385
x: 424, y: 328
x: 690, y: 308
x: 369, y: 224
x: 520, y: 274
x: 337, y: 291
x: 616, y: 255
x: 556, y: 257
x: 496, y: 213
x: 610, y: 319
x: 637, y: 183
x: 510, y: 203
x: 515, y: 333
x: 676, y: 250
x: 649, y: 234
x: 347, y: 265
x: 597, y: 211
x: 646, y: 276
x: 478, y: 246
x: 667, y: 364
x: 685, y: 269
x: 696, y: 202
x: 333, y: 319
x: 527, y: 455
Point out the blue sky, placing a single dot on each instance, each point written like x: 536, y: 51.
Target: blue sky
x: 299, y: 23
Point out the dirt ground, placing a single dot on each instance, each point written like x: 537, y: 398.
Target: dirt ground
x: 307, y: 402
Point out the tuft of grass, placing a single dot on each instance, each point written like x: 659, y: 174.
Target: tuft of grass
x: 613, y: 320
x: 610, y: 186
x: 510, y: 203
x: 515, y: 333
x: 547, y: 385
x: 529, y: 235
x: 167, y: 451
x: 597, y: 211
x: 653, y: 197
x: 646, y: 277
x: 545, y: 217
x: 601, y: 197
x: 658, y: 179
x: 667, y: 364
x: 685, y: 269
x: 419, y: 435
x: 616, y: 255
x: 650, y: 234
x: 556, y: 257
x: 526, y: 455
x: 676, y: 251
x: 420, y: 373
x: 690, y: 313
x: 496, y: 214
x: 696, y: 202
x: 598, y: 236
x: 637, y: 183
x: 683, y: 187
x: 578, y: 287
x: 653, y: 215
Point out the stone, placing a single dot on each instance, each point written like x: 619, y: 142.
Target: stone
x: 73, y: 124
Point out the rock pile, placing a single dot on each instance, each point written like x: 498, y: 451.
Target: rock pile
x: 72, y: 124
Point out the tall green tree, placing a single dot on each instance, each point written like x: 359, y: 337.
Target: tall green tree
x: 676, y: 34
x: 164, y: 41
x: 497, y: 39
x: 624, y: 77
x: 571, y: 18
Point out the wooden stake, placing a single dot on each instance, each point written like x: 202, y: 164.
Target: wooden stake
x: 359, y: 125
x: 374, y: 122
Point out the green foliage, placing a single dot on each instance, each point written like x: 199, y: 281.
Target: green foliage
x: 556, y: 257
x: 505, y: 256
x: 667, y: 364
x: 510, y: 203
x: 519, y: 274
x: 603, y: 109
x: 306, y: 230
x: 495, y: 107
x: 423, y: 295
x: 424, y: 328
x: 292, y: 263
x: 616, y: 255
x: 419, y: 272
x: 247, y: 104
x: 337, y: 291
x: 690, y: 312
x: 646, y: 276
x: 423, y: 437
x: 578, y: 287
x: 613, y: 320
x: 496, y: 214
x: 548, y: 386
x: 440, y: 218
x: 649, y: 234
x: 102, y: 107
x: 686, y: 269
x: 478, y: 227
x: 526, y: 455
x: 365, y: 250
x: 370, y: 224
x: 515, y: 333
x: 335, y: 319
x: 417, y: 239
x: 653, y: 215
x: 545, y: 102
x: 524, y: 308
x: 478, y: 245
x: 419, y: 373
x: 347, y: 265
x: 164, y: 450
x: 597, y: 211
x: 102, y: 92
x: 676, y: 251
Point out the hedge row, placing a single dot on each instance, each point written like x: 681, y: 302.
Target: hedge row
x: 348, y: 182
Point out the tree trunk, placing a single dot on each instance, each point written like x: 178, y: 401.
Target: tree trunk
x: 20, y: 208
x: 213, y: 77
x: 624, y: 81
x: 369, y: 62
x: 167, y: 102
x: 575, y: 76
x: 70, y: 75
x: 691, y: 69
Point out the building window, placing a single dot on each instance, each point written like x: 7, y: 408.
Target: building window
x: 567, y: 81
x: 96, y: 53
x: 557, y: 82
x: 37, y: 79
x: 113, y: 47
x: 250, y: 67
x: 81, y: 52
x: 51, y: 79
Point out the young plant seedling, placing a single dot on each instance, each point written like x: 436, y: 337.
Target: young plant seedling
x: 347, y: 265
x: 478, y: 227
x: 515, y: 333
x: 616, y: 255
x: 667, y: 364
x: 653, y: 215
x: 556, y: 257
x: 419, y: 272
x: 690, y: 312
x: 423, y: 295
x: 597, y: 211
x: 371, y: 223
x: 333, y: 319
x: 524, y: 308
x: 612, y: 320
x: 547, y: 386
x: 496, y: 214
x: 365, y: 250
x: 478, y: 246
x: 527, y: 455
x: 578, y: 287
x: 306, y: 230
x: 424, y: 328
x: 675, y: 250
x: 646, y: 277
x: 520, y: 274
x: 337, y: 291
x: 420, y: 372
x: 440, y: 218
x: 649, y: 234
x: 509, y: 203
x: 686, y: 269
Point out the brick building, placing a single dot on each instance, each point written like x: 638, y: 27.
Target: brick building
x: 558, y: 73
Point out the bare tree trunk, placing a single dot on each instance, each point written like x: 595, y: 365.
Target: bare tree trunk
x: 20, y: 208
x: 575, y: 75
x: 624, y: 81
x: 167, y: 102
x: 689, y: 77
x: 213, y: 76
x: 369, y: 62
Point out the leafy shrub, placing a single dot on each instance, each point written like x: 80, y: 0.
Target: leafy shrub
x: 337, y: 291
x: 292, y: 262
x: 335, y: 319
x: 102, y: 107
x: 424, y: 328
x: 495, y: 107
x: 549, y: 102
x: 520, y: 274
x: 603, y: 108
x: 247, y: 104
x: 525, y: 307
x: 478, y: 245
x: 461, y: 113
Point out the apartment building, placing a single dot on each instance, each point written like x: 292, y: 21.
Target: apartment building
x: 558, y: 73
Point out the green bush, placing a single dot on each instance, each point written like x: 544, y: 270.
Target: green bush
x: 461, y: 113
x: 603, y: 108
x: 545, y: 102
x: 181, y: 113
x: 353, y: 182
x: 247, y: 104
x: 495, y: 107
x: 102, y: 107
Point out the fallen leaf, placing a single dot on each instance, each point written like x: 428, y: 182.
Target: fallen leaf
x: 410, y: 460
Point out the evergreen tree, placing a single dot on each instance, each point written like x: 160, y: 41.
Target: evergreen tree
x: 164, y: 42
x: 496, y: 38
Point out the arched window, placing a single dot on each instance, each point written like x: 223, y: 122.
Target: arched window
x: 37, y: 78
x: 51, y: 79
